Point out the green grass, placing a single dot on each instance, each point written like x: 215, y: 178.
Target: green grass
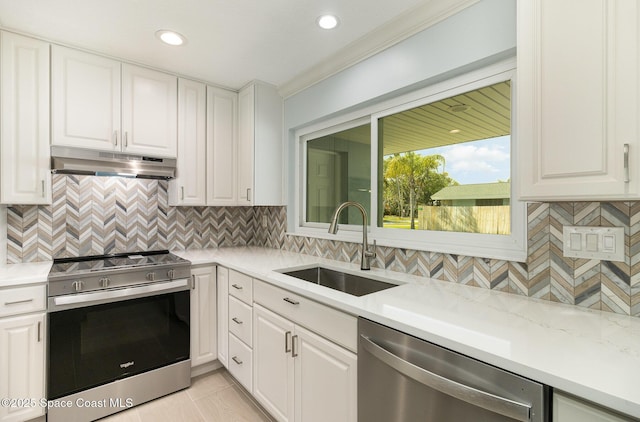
x: 395, y: 222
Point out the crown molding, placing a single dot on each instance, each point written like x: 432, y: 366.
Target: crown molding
x: 398, y: 29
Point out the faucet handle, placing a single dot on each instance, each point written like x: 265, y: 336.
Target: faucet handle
x: 371, y: 253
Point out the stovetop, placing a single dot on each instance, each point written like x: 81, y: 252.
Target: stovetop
x: 106, y: 263
x: 83, y: 274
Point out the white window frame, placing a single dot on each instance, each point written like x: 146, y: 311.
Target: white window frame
x: 512, y: 247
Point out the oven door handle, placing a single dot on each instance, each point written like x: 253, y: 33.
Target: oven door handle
x: 59, y: 303
x: 479, y: 398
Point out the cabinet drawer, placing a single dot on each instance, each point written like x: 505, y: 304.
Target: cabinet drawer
x: 330, y: 323
x: 241, y: 362
x: 22, y: 300
x: 240, y: 320
x: 240, y: 286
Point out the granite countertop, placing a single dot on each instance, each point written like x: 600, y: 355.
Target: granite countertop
x: 591, y: 354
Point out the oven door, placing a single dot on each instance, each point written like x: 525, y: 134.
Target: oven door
x: 96, y: 339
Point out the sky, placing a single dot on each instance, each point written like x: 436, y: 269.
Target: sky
x: 476, y: 162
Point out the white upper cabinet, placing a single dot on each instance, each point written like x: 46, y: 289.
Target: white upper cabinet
x: 24, y: 121
x: 260, y: 146
x: 222, y: 122
x: 189, y: 186
x: 149, y: 111
x: 99, y: 103
x: 577, y: 99
x: 85, y: 100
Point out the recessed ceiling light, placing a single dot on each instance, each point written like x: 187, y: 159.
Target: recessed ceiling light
x: 327, y: 21
x: 170, y: 37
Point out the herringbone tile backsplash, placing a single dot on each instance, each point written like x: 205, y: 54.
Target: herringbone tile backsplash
x: 100, y: 215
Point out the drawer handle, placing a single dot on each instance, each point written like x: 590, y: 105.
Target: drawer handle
x: 236, y: 360
x: 237, y: 287
x: 287, y: 341
x: 17, y: 302
x: 291, y: 301
x: 236, y: 320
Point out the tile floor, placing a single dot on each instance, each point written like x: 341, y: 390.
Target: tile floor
x: 214, y: 397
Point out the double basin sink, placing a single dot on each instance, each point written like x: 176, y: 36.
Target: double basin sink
x: 337, y: 280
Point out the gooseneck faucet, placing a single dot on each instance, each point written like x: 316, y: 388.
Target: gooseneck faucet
x: 367, y: 255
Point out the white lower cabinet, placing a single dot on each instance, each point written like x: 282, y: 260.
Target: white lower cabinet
x: 22, y: 365
x: 223, y: 316
x: 567, y: 408
x: 203, y: 316
x: 273, y: 363
x: 299, y: 375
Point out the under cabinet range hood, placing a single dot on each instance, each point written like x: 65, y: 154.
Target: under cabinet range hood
x: 71, y: 160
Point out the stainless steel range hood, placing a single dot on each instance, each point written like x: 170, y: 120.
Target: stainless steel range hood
x: 71, y: 160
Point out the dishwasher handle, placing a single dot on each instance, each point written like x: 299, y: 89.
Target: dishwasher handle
x: 503, y: 406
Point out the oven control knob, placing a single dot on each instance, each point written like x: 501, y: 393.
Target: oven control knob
x: 151, y: 276
x: 171, y: 274
x: 104, y: 282
x: 77, y: 285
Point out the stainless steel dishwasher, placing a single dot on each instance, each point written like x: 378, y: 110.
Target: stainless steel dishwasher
x: 405, y: 379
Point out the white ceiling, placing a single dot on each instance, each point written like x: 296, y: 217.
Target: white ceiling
x: 230, y: 42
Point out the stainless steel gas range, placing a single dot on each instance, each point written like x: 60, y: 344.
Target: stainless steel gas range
x: 118, y: 332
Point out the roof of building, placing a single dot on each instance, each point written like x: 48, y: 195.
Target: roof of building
x: 499, y: 190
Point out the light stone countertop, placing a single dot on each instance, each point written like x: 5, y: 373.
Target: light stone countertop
x: 16, y: 275
x: 591, y: 354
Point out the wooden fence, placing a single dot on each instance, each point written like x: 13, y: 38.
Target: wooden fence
x: 488, y: 220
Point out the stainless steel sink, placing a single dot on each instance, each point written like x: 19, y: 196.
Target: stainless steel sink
x: 349, y: 283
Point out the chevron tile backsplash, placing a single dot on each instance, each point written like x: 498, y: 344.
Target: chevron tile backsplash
x: 100, y: 215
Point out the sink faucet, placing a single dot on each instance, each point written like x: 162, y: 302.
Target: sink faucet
x: 367, y: 255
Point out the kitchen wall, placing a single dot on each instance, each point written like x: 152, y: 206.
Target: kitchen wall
x: 102, y: 215
x: 97, y: 215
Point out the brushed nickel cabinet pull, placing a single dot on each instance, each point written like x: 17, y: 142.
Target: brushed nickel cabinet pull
x: 236, y: 320
x: 235, y: 286
x: 291, y: 301
x: 248, y: 194
x: 627, y: 178
x: 39, y: 332
x: 294, y: 348
x: 236, y: 360
x: 43, y: 188
x: 17, y: 302
x: 193, y: 281
x: 115, y: 137
x: 182, y: 193
x: 126, y: 139
x: 287, y: 342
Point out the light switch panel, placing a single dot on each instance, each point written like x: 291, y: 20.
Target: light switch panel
x: 606, y: 243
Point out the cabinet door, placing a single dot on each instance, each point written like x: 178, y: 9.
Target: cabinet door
x: 189, y: 186
x: 203, y: 316
x: 22, y: 364
x: 569, y: 409
x: 221, y: 146
x: 149, y: 111
x: 273, y: 366
x: 324, y: 373
x: 577, y: 99
x: 24, y: 122
x: 85, y: 100
x: 223, y: 316
x: 246, y: 135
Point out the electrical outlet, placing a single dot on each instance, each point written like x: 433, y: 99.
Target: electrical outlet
x: 265, y: 221
x: 606, y: 243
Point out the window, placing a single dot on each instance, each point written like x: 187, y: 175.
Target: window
x: 446, y: 164
x: 441, y: 162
